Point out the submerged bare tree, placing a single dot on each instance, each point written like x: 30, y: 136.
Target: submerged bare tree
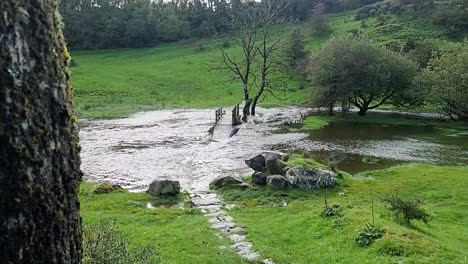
x: 258, y: 65
x: 39, y: 150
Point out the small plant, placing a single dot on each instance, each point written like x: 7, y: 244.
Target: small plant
x: 409, y: 209
x: 103, y: 244
x: 338, y: 222
x: 330, y: 211
x: 366, y: 235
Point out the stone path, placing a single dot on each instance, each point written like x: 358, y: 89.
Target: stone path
x: 212, y: 206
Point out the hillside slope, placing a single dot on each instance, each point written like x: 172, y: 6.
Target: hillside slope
x: 114, y: 83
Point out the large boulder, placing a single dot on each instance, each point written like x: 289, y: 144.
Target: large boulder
x: 225, y: 181
x: 311, y: 178
x: 274, y: 166
x: 278, y: 182
x: 257, y: 163
x: 163, y: 187
x: 259, y: 178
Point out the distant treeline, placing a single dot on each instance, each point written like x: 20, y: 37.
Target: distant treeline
x: 103, y: 24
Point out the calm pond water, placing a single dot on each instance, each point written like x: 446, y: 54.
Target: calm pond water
x: 358, y: 147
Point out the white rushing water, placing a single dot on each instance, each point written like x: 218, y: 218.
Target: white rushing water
x: 175, y: 145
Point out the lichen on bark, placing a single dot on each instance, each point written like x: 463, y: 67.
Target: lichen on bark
x: 39, y: 151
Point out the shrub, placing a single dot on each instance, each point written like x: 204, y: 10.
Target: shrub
x: 366, y: 235
x: 329, y: 211
x: 338, y: 222
x: 103, y: 244
x: 410, y: 209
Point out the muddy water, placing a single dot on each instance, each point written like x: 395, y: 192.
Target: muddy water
x: 174, y: 144
x: 359, y: 147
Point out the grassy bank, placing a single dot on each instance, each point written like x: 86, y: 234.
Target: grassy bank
x: 114, y: 83
x: 296, y: 233
x: 179, y: 235
x: 318, y: 121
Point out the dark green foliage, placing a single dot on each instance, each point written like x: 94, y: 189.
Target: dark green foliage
x: 366, y: 235
x: 107, y: 187
x: 355, y: 69
x: 409, y: 209
x: 319, y: 21
x: 453, y: 15
x: 295, y: 50
x: 446, y: 81
x: 101, y: 24
x: 103, y: 244
x: 422, y: 51
x: 329, y: 211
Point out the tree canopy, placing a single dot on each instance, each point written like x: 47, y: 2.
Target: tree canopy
x: 446, y: 78
x: 355, y: 70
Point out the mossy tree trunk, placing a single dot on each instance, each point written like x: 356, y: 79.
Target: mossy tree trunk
x: 39, y: 151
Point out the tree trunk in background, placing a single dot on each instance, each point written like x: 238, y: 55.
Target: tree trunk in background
x: 39, y: 151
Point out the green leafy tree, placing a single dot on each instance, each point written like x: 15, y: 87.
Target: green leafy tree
x: 356, y: 70
x: 295, y: 50
x: 447, y: 80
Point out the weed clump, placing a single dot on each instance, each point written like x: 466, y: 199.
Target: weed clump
x: 366, y: 235
x: 330, y: 211
x: 409, y: 209
x: 103, y: 244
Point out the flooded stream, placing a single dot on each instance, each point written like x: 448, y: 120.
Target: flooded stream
x: 174, y: 144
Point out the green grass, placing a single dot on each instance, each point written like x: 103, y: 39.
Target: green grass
x: 314, y: 122
x: 115, y: 83
x: 180, y: 235
x: 297, y: 234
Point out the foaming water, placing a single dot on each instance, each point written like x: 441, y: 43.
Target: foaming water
x: 174, y: 144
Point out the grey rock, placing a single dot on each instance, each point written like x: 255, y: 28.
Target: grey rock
x: 163, y: 187
x: 257, y: 163
x: 278, y: 182
x: 274, y: 166
x: 311, y: 178
x: 259, y: 178
x: 225, y: 181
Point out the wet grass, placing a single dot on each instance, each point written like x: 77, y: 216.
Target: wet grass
x: 165, y: 228
x: 314, y: 122
x: 296, y: 233
x: 116, y: 83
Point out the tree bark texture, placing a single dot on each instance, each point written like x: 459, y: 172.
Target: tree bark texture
x: 39, y: 150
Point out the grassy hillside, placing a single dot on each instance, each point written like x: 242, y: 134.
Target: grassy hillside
x: 115, y: 83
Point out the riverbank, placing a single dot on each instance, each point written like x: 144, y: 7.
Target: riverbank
x: 286, y: 225
x: 180, y: 235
